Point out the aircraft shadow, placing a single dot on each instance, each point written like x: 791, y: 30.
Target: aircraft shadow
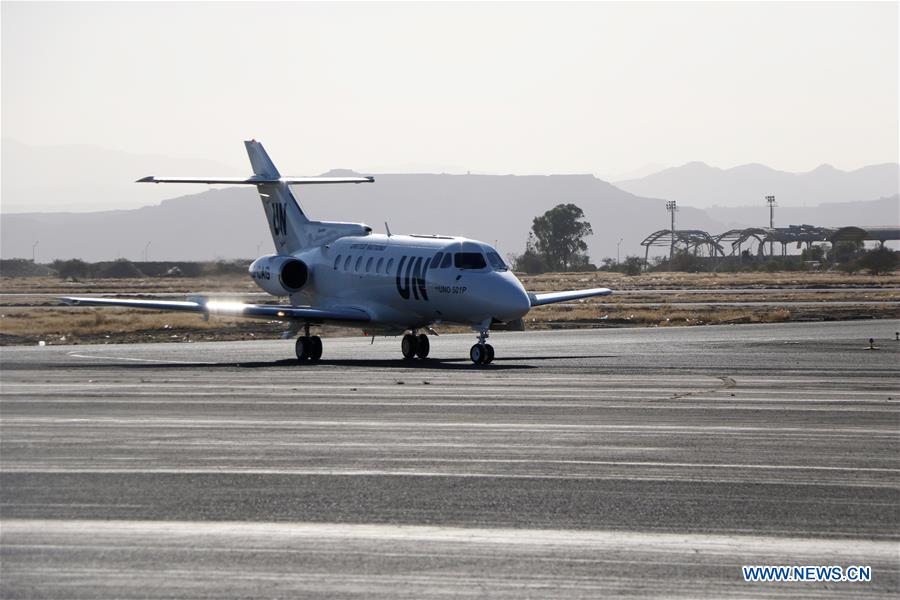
x: 462, y: 364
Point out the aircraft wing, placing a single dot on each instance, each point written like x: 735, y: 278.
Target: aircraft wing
x: 551, y: 297
x: 256, y: 180
x: 234, y: 309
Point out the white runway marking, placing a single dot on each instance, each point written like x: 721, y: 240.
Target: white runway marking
x: 380, y: 425
x: 276, y: 533
x: 418, y: 473
x: 151, y: 360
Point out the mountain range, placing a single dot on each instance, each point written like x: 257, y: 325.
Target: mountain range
x: 88, y: 178
x: 229, y: 222
x: 700, y: 185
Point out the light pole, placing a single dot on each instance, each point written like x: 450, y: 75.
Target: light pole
x: 672, y: 207
x: 770, y: 200
x: 619, y: 243
x: 33, y: 246
x: 147, y: 251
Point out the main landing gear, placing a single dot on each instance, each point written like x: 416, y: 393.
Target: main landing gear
x: 308, y: 348
x: 417, y: 345
x: 482, y: 353
x: 413, y: 345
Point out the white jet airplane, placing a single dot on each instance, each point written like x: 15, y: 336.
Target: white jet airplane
x: 342, y: 273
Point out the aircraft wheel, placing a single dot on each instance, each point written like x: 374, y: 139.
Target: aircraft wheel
x: 422, y: 346
x: 315, y: 350
x: 488, y: 354
x: 302, y: 348
x: 477, y: 354
x: 408, y: 346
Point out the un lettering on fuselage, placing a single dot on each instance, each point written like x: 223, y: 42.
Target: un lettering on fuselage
x: 413, y: 278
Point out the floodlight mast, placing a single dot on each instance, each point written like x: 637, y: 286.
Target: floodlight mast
x: 672, y: 207
x: 770, y: 200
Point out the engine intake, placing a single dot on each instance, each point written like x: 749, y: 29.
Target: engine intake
x: 294, y: 274
x: 279, y: 275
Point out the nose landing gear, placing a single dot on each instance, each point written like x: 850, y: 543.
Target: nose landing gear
x: 308, y: 348
x: 482, y: 353
x: 413, y: 345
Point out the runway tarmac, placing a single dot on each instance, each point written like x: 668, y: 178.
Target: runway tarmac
x: 588, y: 463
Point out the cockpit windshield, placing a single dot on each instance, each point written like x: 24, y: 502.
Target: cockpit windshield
x: 496, y: 261
x: 469, y: 260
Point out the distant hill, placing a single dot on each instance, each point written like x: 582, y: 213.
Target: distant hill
x: 700, y: 185
x: 38, y: 183
x: 884, y: 211
x: 58, y: 178
x: 229, y: 223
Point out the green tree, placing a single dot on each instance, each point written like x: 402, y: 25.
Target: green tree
x: 879, y: 261
x: 530, y: 262
x: 687, y: 262
x: 559, y: 237
x: 845, y: 251
x: 632, y: 265
x: 71, y: 268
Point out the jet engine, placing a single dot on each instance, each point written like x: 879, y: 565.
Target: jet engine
x: 280, y: 275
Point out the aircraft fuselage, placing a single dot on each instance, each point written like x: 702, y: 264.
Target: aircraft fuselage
x: 409, y: 282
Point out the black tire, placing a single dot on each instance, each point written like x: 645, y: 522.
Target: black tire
x: 423, y: 346
x: 476, y: 353
x: 408, y: 346
x: 315, y: 350
x: 302, y: 348
x: 488, y: 354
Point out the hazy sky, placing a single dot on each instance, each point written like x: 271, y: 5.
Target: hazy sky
x: 600, y: 88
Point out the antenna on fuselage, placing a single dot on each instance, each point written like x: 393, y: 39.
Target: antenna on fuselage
x: 387, y: 229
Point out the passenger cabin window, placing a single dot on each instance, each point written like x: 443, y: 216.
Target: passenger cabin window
x: 369, y: 264
x: 446, y: 262
x: 469, y: 260
x: 497, y: 262
x: 390, y: 265
x: 378, y: 266
x: 347, y: 263
x: 337, y: 262
x: 358, y: 264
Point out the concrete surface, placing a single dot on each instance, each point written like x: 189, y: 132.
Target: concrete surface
x: 638, y: 462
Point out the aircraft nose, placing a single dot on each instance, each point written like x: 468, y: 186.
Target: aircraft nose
x: 513, y: 303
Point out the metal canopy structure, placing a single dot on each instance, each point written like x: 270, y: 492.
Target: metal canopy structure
x: 691, y: 240
x: 701, y: 243
x: 794, y: 234
x: 861, y: 234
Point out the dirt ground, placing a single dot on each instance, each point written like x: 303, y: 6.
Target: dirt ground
x: 30, y: 311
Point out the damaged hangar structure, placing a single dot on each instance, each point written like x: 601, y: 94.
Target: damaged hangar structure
x: 762, y: 241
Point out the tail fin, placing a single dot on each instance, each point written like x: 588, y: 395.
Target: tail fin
x: 260, y: 161
x: 285, y: 217
x: 291, y: 229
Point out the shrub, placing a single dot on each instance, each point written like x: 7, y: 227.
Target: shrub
x: 632, y: 265
x: 120, y: 269
x: 72, y: 268
x: 879, y: 261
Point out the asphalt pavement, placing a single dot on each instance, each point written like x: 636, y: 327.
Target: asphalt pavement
x: 589, y: 463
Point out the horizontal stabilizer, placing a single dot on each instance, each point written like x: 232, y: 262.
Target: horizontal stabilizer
x: 256, y: 180
x: 234, y: 309
x: 551, y: 297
